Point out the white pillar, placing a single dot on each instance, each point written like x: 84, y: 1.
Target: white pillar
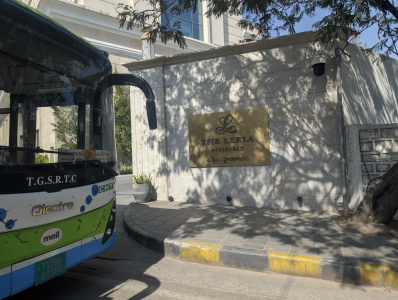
x: 148, y: 48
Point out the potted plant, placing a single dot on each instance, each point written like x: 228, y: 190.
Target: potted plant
x: 142, y: 189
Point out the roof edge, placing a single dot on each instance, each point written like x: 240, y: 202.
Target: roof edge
x: 270, y: 43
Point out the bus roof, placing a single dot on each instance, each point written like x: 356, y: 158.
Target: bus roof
x: 32, y: 43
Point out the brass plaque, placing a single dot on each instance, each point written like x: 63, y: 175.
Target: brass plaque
x: 232, y: 138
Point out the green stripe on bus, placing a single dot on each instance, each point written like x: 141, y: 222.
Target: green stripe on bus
x: 22, y: 244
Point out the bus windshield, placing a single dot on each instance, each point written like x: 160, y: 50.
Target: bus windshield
x: 52, y: 118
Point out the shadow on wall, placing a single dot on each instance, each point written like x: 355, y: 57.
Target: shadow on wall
x: 370, y: 88
x: 302, y: 124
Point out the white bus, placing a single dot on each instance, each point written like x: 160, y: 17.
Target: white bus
x: 57, y: 148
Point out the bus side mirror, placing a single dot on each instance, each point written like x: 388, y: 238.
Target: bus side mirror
x: 126, y: 79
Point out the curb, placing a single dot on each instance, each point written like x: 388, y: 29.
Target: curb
x: 354, y: 272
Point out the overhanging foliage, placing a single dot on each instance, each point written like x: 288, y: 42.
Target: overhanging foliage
x: 267, y: 17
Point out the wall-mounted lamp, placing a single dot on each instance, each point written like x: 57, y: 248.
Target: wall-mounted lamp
x: 318, y: 65
x: 319, y: 61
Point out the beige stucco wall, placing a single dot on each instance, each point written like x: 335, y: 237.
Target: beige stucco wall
x: 48, y: 140
x: 370, y: 88
x: 232, y: 33
x: 370, y: 91
x: 4, y: 119
x: 97, y: 19
x: 303, y: 125
x: 4, y: 131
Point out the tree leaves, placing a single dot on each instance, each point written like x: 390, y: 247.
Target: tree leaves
x: 268, y: 17
x: 123, y: 121
x: 65, y: 126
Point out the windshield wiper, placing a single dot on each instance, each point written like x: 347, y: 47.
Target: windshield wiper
x: 36, y: 150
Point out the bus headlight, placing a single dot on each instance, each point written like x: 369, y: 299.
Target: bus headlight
x: 111, y: 224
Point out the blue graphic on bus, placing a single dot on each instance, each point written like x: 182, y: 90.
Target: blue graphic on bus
x: 89, y: 199
x: 82, y: 208
x: 3, y: 214
x: 10, y: 224
x: 94, y: 190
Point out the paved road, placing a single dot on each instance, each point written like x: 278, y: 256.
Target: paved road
x: 124, y: 188
x: 130, y: 271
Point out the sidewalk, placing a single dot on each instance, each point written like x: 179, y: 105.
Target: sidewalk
x: 294, y: 242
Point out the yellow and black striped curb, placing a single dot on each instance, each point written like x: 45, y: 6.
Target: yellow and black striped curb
x: 355, y: 271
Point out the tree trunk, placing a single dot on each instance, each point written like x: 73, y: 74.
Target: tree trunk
x: 381, y: 201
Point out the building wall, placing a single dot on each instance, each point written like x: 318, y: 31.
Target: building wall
x: 232, y: 33
x: 96, y: 21
x: 88, y: 16
x: 370, y: 90
x: 47, y: 137
x: 274, y: 73
x: 4, y: 119
x: 372, y: 151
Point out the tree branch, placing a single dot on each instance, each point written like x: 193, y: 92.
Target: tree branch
x: 385, y: 5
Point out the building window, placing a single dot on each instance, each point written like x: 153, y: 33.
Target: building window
x: 191, y: 22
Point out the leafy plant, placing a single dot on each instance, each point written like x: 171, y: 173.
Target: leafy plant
x: 125, y: 169
x: 141, y: 179
x: 41, y: 159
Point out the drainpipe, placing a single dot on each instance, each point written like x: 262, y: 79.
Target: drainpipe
x: 340, y: 117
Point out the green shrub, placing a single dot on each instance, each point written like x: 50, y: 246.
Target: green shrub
x: 41, y: 159
x: 125, y: 169
x: 141, y: 179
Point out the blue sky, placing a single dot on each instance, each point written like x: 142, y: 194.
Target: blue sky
x: 367, y: 39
